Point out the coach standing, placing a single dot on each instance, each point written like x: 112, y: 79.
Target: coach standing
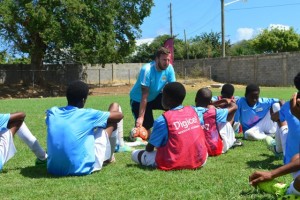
x: 146, y: 94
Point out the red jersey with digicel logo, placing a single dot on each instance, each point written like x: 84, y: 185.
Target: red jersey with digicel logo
x: 213, y: 139
x: 185, y: 148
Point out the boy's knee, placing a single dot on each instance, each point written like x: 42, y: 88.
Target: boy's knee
x: 114, y: 107
x: 275, y: 107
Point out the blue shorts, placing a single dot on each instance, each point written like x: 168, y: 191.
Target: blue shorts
x: 148, y: 117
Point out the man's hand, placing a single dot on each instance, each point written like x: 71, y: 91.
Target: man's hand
x: 139, y: 121
x: 258, y: 177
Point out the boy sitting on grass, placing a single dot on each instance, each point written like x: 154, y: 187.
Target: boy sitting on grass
x: 219, y: 134
x: 12, y: 124
x: 254, y: 113
x: 80, y: 139
x: 176, y: 134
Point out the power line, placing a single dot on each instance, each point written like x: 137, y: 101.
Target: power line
x: 260, y: 7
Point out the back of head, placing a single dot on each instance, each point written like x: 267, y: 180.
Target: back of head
x: 227, y: 90
x: 251, y: 88
x: 203, y: 97
x: 162, y: 50
x: 297, y: 81
x: 174, y: 94
x: 77, y: 91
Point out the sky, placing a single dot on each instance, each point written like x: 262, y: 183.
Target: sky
x: 243, y: 19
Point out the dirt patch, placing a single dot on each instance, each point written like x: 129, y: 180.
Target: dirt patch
x: 36, y: 91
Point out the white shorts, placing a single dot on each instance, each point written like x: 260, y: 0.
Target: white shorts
x: 227, y: 134
x: 263, y: 128
x: 7, y: 147
x: 147, y: 158
x: 102, y: 148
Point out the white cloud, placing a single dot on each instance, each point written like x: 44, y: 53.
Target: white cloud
x: 278, y: 26
x: 245, y: 33
x: 144, y: 41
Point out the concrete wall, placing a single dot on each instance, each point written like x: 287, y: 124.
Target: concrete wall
x: 267, y: 70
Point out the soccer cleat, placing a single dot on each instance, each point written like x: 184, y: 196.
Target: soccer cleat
x: 273, y: 187
x: 124, y: 148
x: 39, y: 162
x: 271, y: 145
x: 237, y: 143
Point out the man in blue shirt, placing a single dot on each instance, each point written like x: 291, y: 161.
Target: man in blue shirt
x: 145, y: 96
x: 79, y: 139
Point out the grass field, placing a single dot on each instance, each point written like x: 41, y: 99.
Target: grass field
x: 223, y: 177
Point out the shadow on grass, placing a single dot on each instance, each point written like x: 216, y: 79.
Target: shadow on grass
x: 140, y: 166
x: 37, y: 172
x: 264, y: 164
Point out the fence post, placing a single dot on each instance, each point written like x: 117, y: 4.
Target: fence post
x: 99, y: 77
x: 129, y: 75
x: 33, y: 79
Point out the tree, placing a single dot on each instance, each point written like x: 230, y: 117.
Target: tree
x: 146, y: 52
x: 243, y: 47
x: 207, y: 45
x: 276, y: 40
x: 94, y: 31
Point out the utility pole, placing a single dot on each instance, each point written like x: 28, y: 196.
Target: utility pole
x: 223, y: 23
x: 186, y: 46
x: 171, y: 26
x: 223, y: 29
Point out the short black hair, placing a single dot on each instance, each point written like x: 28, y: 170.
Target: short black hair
x: 162, y: 50
x: 76, y: 92
x: 175, y: 92
x: 227, y: 90
x: 297, y: 81
x: 251, y: 88
x: 203, y: 97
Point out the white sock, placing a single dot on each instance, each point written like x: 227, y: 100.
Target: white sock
x: 282, y: 135
x: 26, y: 136
x: 119, y: 131
x: 113, y: 143
x: 292, y: 190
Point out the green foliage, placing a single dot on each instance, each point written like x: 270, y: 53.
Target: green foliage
x: 241, y: 48
x: 223, y: 177
x: 80, y: 31
x: 145, y: 52
x: 206, y: 45
x: 276, y: 40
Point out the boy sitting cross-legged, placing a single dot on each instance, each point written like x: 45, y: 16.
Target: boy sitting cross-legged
x: 176, y: 134
x: 219, y: 133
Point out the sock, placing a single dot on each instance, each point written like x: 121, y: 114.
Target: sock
x: 119, y: 132
x: 280, y: 139
x: 113, y: 143
x: 26, y: 136
x: 292, y: 190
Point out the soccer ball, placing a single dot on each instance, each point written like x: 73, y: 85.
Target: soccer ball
x: 138, y: 132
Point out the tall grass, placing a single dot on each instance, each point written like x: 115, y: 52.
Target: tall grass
x: 223, y: 177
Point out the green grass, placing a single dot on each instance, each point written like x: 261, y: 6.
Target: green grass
x: 223, y: 177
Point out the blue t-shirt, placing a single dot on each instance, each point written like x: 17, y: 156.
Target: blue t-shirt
x: 293, y: 136
x: 153, y: 79
x: 70, y: 140
x: 250, y: 116
x: 159, y: 135
x: 4, y: 119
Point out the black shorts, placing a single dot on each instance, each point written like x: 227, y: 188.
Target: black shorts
x: 148, y: 117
